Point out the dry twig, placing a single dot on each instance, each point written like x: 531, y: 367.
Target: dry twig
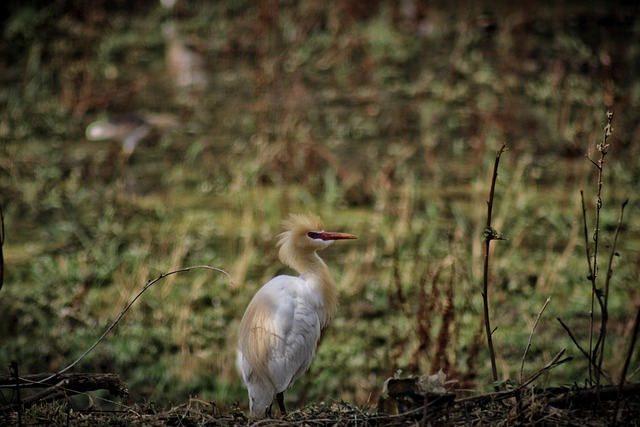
x: 115, y: 322
x: 582, y: 350
x: 526, y: 350
x: 1, y: 245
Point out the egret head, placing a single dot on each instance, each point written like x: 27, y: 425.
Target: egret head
x: 304, y: 235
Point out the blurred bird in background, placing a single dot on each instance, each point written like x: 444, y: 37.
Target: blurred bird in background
x: 186, y: 67
x: 129, y: 130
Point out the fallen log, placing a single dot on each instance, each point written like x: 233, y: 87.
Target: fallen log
x: 589, y: 396
x: 59, y: 386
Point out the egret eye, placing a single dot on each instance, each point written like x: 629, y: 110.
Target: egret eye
x: 314, y: 235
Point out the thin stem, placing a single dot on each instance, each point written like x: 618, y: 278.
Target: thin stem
x: 623, y: 374
x: 582, y: 350
x: 490, y: 234
x: 591, y: 279
x: 16, y: 375
x: 556, y: 361
x: 596, y: 352
x: 592, y: 261
x: 586, y: 235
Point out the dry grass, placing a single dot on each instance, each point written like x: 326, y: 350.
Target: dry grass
x: 560, y: 407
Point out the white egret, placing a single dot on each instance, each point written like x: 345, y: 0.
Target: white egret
x: 280, y: 329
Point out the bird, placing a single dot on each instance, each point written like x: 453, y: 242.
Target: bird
x: 130, y: 129
x: 185, y: 65
x: 280, y: 329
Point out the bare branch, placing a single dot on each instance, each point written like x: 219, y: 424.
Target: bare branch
x: 487, y: 242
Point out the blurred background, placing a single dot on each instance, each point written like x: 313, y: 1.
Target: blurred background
x: 138, y: 137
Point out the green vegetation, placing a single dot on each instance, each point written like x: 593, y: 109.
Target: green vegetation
x: 384, y: 124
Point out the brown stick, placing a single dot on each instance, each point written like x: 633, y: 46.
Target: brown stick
x: 1, y: 245
x: 586, y: 396
x: 563, y: 398
x: 592, y: 278
x: 499, y: 395
x: 490, y: 234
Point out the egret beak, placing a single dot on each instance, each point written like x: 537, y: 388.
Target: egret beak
x: 330, y: 235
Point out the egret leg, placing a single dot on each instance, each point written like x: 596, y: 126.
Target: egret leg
x: 280, y: 400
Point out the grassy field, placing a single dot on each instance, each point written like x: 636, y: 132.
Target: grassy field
x: 384, y: 121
